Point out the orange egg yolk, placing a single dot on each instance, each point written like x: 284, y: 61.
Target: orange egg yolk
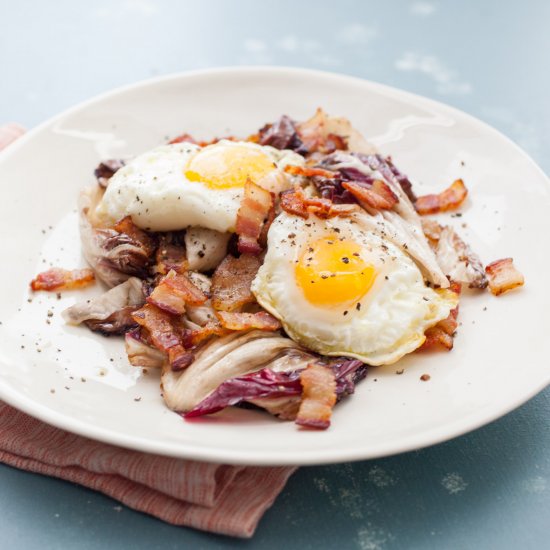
x: 225, y: 167
x: 332, y: 273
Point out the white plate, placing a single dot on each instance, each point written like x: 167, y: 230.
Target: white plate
x: 499, y: 360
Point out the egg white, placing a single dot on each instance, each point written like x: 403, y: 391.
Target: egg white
x: 393, y: 315
x: 154, y: 191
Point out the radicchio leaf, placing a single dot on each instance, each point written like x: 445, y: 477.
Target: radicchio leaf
x: 267, y: 383
x: 331, y: 188
x: 282, y: 135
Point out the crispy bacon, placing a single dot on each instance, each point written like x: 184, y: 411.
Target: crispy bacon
x: 164, y: 335
x: 231, y: 282
x: 127, y: 226
x: 184, y: 138
x: 193, y: 337
x: 437, y: 337
x: 318, y: 397
x: 262, y: 240
x: 335, y: 142
x: 171, y: 257
x: 292, y: 201
x: 261, y: 320
x: 255, y: 206
x: 325, y: 208
x: 319, y: 206
x: 179, y: 358
x: 503, y: 276
x: 295, y: 202
x: 188, y: 138
x: 315, y: 134
x: 449, y: 199
x: 62, y: 279
x: 378, y: 195
x: 442, y: 334
x: 309, y: 172
x: 174, y: 291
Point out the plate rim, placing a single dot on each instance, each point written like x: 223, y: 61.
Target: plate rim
x: 329, y: 455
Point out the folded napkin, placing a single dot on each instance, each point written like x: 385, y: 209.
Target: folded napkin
x: 220, y: 498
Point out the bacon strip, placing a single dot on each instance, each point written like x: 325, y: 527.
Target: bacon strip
x: 378, y: 196
x: 127, y: 226
x: 318, y: 397
x: 503, y: 276
x: 171, y: 257
x: 159, y: 324
x: 231, y: 282
x: 292, y: 201
x: 449, y: 199
x: 443, y: 333
x: 315, y: 135
x: 261, y: 320
x: 255, y: 206
x: 62, y: 279
x: 296, y: 203
x: 174, y: 291
x: 164, y: 335
x: 192, y: 338
x: 188, y: 138
x: 437, y: 337
x: 308, y: 172
x: 184, y: 138
x: 267, y: 224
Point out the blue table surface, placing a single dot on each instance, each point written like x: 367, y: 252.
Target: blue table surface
x: 487, y: 489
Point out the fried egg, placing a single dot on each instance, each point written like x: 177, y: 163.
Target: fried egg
x: 339, y: 289
x: 176, y: 186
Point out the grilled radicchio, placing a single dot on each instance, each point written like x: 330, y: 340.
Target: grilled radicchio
x: 140, y: 354
x: 114, y: 255
x: 106, y: 170
x: 282, y: 135
x: 320, y: 133
x: 267, y: 385
x: 110, y: 313
x: 222, y: 358
x: 206, y: 248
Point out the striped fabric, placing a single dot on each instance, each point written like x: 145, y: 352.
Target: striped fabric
x: 219, y: 498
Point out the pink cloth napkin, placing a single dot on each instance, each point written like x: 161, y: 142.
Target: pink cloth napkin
x: 220, y: 498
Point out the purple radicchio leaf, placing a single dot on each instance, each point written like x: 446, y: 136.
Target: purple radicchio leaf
x: 119, y: 322
x: 106, y: 170
x: 282, y: 135
x: 389, y: 171
x: 266, y: 383
x: 332, y: 188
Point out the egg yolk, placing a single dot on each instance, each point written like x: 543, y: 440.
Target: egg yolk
x: 332, y: 273
x: 224, y: 167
